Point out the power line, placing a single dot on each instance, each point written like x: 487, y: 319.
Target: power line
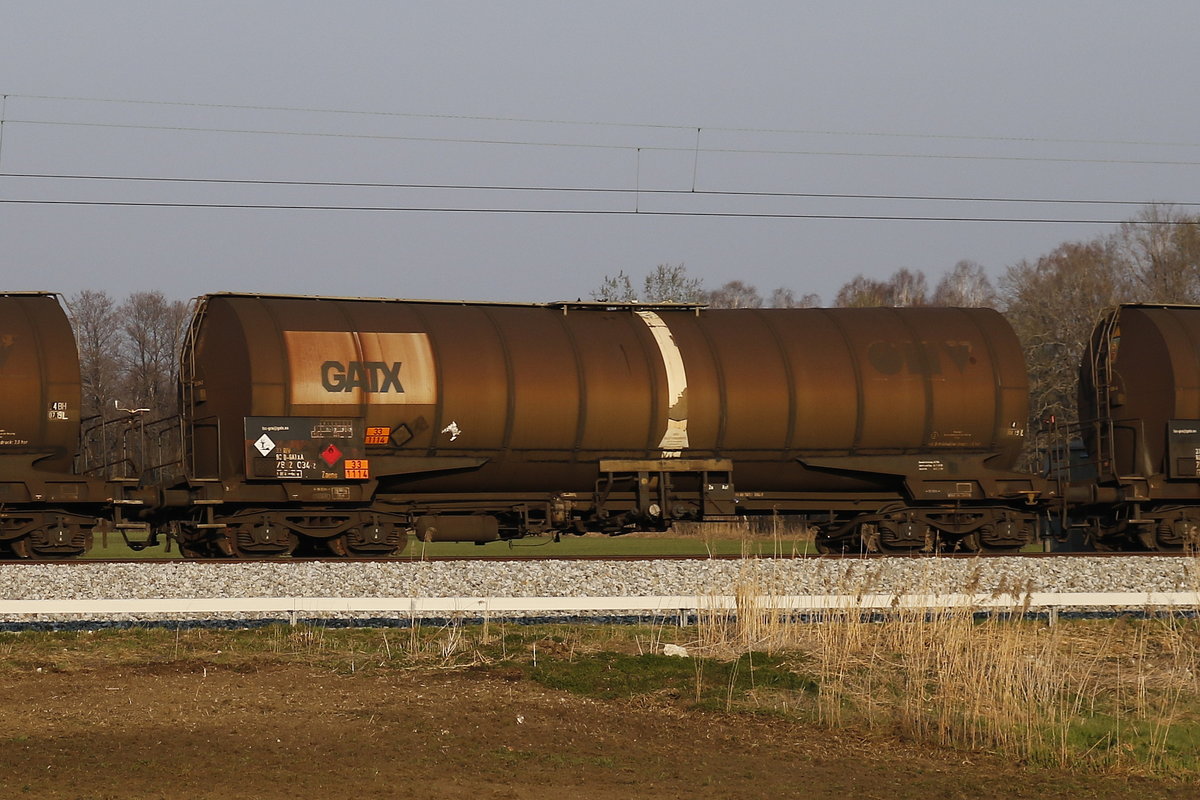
x: 688, y: 127
x: 579, y: 212
x: 584, y: 189
x: 615, y: 147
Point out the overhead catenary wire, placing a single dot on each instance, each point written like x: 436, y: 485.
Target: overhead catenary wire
x: 577, y: 212
x: 603, y: 123
x: 637, y: 190
x: 499, y: 142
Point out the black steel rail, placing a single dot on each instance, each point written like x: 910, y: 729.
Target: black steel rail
x: 402, y: 559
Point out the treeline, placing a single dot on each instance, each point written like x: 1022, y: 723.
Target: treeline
x: 670, y: 283
x: 1055, y: 301
x: 967, y: 284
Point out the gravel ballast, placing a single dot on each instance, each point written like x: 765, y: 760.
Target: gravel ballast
x: 565, y: 578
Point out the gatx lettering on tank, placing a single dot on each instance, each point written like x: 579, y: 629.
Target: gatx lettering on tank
x: 369, y: 376
x: 355, y: 367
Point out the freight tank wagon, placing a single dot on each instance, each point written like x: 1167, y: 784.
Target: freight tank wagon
x: 341, y: 423
x: 45, y: 510
x: 1139, y: 406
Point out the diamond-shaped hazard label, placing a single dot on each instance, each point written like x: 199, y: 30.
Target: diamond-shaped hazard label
x: 264, y: 444
x: 331, y: 454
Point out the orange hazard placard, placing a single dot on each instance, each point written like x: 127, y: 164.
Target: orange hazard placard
x: 378, y: 435
x: 357, y: 468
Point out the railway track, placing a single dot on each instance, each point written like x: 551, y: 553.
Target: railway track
x: 403, y: 559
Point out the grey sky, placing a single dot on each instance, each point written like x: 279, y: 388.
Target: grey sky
x: 1047, y: 100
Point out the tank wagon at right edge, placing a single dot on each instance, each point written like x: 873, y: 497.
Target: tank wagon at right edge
x: 1139, y: 409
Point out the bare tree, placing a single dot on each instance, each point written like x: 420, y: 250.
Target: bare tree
x: 863, y: 292
x: 735, y: 294
x: 786, y: 298
x: 670, y: 283
x: 127, y: 355
x: 1161, y: 250
x: 666, y: 283
x: 615, y: 290
x: 909, y: 288
x: 1053, y: 304
x: 98, y: 337
x: 153, y: 330
x: 905, y: 288
x: 966, y: 285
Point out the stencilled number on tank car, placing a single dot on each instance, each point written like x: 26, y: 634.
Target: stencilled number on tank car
x: 58, y: 411
x: 920, y: 358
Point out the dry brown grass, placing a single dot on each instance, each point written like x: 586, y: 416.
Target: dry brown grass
x: 1099, y: 694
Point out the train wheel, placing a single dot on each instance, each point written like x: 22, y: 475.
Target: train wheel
x: 59, y: 540
x: 264, y: 538
x: 44, y: 534
x: 1178, y: 535
x: 352, y: 545
x: 20, y: 547
x: 197, y: 547
x: 970, y: 543
x: 831, y: 538
x: 983, y: 540
x: 364, y: 536
x: 216, y: 547
x: 902, y: 538
x: 887, y: 542
x: 190, y: 551
x: 376, y: 538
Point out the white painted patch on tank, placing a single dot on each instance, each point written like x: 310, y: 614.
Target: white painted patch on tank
x: 675, y: 438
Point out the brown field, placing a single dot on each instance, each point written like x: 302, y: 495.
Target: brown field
x: 466, y: 712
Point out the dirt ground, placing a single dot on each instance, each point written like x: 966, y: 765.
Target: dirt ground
x: 195, y: 730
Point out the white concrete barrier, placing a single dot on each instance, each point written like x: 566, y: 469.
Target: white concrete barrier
x: 483, y: 606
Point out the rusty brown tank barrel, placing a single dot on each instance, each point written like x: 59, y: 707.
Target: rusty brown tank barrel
x: 544, y: 391
x: 39, y: 381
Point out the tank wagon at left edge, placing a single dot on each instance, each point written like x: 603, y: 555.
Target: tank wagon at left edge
x: 341, y: 426
x: 46, y: 509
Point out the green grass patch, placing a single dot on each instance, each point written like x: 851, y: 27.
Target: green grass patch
x: 116, y: 548
x: 609, y: 675
x: 1106, y: 739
